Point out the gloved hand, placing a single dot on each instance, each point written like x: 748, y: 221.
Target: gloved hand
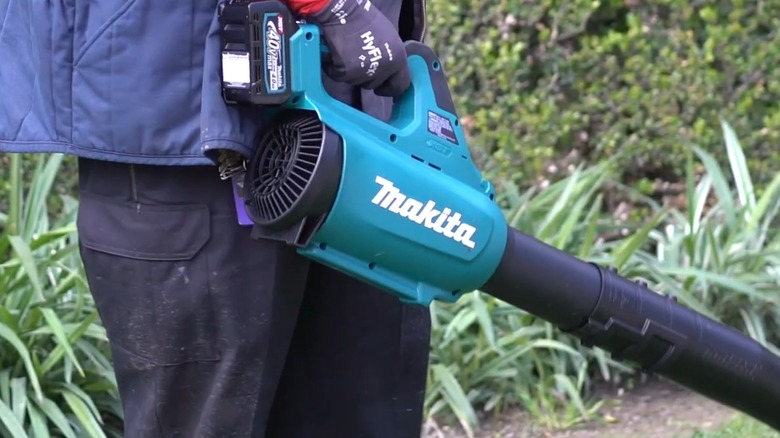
x: 365, y: 49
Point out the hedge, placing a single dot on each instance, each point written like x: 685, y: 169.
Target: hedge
x: 544, y: 81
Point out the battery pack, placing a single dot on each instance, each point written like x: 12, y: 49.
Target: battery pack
x: 255, y: 38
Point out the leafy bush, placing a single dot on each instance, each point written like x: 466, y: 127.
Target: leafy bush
x: 721, y: 255
x: 64, y: 188
x: 490, y: 356
x: 539, y: 81
x: 718, y: 255
x: 56, y: 377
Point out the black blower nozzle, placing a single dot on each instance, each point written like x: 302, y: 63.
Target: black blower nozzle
x: 639, y: 326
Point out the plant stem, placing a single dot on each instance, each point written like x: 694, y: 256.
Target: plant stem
x: 15, y: 195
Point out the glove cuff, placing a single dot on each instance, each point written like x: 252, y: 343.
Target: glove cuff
x: 306, y: 8
x: 336, y: 12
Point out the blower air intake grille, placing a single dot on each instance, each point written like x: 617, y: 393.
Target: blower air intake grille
x: 294, y: 171
x: 286, y: 163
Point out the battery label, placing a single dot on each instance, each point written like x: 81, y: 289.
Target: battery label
x: 274, y: 43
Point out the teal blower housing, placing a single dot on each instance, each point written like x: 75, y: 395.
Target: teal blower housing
x: 401, y: 205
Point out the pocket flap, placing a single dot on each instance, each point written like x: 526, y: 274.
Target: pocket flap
x: 135, y: 230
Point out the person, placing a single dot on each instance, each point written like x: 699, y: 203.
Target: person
x: 212, y: 333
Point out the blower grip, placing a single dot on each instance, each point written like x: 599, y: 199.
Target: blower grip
x: 428, y: 92
x: 639, y: 326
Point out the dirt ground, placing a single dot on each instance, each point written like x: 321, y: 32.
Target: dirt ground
x: 656, y: 410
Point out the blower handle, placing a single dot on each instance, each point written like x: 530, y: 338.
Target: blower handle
x: 428, y: 88
x: 423, y: 125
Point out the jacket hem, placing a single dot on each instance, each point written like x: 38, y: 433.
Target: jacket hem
x: 213, y: 144
x: 43, y: 147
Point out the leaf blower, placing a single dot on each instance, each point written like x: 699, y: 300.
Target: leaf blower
x: 401, y: 205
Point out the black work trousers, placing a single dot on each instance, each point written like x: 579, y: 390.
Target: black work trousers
x: 214, y: 334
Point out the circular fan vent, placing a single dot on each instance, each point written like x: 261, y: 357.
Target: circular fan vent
x: 279, y: 189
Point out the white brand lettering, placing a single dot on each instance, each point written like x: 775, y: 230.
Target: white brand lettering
x: 374, y: 53
x: 443, y: 221
x: 273, y: 62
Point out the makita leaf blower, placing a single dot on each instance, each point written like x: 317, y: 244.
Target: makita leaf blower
x: 402, y: 206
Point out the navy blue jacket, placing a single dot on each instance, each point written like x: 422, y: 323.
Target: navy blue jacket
x: 135, y: 81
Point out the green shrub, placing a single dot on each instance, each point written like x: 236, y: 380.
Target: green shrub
x: 64, y: 186
x: 718, y: 255
x: 56, y: 377
x: 539, y: 81
x: 721, y: 255
x: 488, y: 356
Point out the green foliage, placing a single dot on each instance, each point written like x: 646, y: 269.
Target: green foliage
x: 717, y: 255
x: 56, y: 377
x: 742, y: 427
x: 490, y: 356
x: 720, y: 256
x: 63, y: 188
x: 548, y: 80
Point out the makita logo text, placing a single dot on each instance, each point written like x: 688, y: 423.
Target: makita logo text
x: 441, y: 221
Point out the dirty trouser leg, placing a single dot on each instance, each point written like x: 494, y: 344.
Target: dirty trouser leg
x: 357, y: 365
x: 199, y: 316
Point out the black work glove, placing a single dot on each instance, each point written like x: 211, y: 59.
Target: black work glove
x: 365, y: 49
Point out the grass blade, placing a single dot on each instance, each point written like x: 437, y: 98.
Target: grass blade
x: 552, y: 220
x: 719, y: 183
x: 8, y: 319
x: 52, y: 235
x: 24, y: 253
x: 75, y: 390
x: 62, y: 339
x: 769, y: 195
x: 727, y: 281
x: 574, y: 218
x: 590, y: 235
x: 5, y: 385
x: 700, y: 199
x: 7, y: 334
x: 36, y: 217
x: 10, y: 421
x: 739, y: 168
x: 19, y: 397
x: 37, y: 422
x: 565, y: 382
x: 56, y: 416
x: 82, y: 412
x: 483, y: 316
x: 629, y: 246
x: 13, y: 221
x: 455, y: 397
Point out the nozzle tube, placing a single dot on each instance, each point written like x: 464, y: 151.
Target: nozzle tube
x: 639, y: 326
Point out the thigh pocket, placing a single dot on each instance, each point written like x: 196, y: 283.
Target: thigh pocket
x: 148, y: 270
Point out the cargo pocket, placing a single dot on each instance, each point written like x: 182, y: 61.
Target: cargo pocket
x: 149, y: 274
